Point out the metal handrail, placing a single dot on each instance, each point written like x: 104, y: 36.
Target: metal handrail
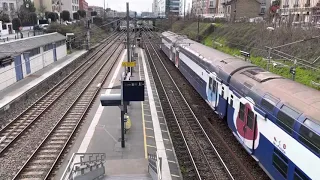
x: 100, y: 157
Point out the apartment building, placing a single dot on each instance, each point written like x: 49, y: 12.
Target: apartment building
x: 205, y: 8
x: 9, y: 7
x: 98, y: 9
x: 83, y: 5
x: 299, y: 11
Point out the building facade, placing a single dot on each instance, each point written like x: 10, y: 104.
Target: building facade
x: 98, y: 9
x: 9, y: 7
x: 33, y: 54
x: 173, y: 7
x: 83, y: 5
x: 297, y: 11
x: 205, y: 7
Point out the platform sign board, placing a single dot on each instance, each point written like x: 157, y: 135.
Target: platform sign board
x: 129, y: 64
x: 133, y: 90
x: 110, y: 99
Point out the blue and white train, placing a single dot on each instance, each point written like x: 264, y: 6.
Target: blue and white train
x: 276, y: 119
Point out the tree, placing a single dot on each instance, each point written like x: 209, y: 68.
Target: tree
x: 16, y: 24
x: 46, y: 14
x: 82, y: 13
x: 28, y: 6
x: 65, y: 15
x: 75, y: 16
x: 56, y: 15
x: 4, y: 18
x: 52, y: 16
x: 33, y: 18
x: 93, y: 13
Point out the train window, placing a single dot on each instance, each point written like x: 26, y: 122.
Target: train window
x: 241, y: 111
x: 308, y: 137
x: 231, y: 101
x: 250, y: 119
x: 267, y: 105
x: 285, y: 120
x: 210, y: 83
x: 280, y: 162
x: 222, y: 92
x: 298, y: 175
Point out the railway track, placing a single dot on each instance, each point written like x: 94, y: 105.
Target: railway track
x: 37, y: 148
x: 13, y: 130
x: 240, y: 164
x: 197, y: 153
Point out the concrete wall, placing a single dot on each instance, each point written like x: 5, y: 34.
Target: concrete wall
x: 48, y: 57
x: 7, y: 76
x: 37, y: 62
x: 61, y: 51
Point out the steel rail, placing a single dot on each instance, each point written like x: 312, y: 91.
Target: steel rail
x: 73, y: 105
x: 194, y: 116
x: 38, y: 108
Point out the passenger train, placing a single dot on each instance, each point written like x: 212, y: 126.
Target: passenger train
x: 276, y: 120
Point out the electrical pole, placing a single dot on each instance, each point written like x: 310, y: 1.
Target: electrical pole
x: 104, y: 10
x: 269, y: 58
x: 184, y: 9
x: 128, y: 36
x: 88, y: 36
x: 135, y: 27
x: 198, y: 27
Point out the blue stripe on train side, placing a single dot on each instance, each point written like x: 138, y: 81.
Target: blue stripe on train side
x: 197, y: 82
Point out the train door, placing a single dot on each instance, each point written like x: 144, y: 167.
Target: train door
x: 177, y: 59
x: 173, y: 55
x: 246, y: 126
x: 213, y: 91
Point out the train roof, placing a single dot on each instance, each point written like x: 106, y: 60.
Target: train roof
x: 170, y: 36
x: 221, y: 63
x: 257, y: 82
x: 304, y: 99
x: 252, y: 80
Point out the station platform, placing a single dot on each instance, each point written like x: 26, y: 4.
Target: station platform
x: 15, y: 90
x: 101, y: 131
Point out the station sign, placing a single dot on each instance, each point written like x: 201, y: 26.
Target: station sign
x: 133, y: 90
x: 129, y: 64
x: 110, y: 99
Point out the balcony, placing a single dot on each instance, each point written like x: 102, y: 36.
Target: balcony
x: 286, y: 6
x: 307, y: 5
x: 296, y: 5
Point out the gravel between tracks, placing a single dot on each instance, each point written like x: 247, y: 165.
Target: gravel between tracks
x: 13, y: 159
x: 201, y: 110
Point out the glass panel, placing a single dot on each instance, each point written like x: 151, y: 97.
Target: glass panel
x: 279, y: 163
x: 309, y: 138
x: 267, y: 105
x: 241, y: 112
x: 298, y: 175
x: 285, y: 121
x: 250, y: 119
x: 294, y: 114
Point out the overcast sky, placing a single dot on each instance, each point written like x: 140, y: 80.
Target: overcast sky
x: 120, y: 5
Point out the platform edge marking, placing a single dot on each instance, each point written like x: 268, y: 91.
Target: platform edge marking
x: 156, y: 126
x: 143, y: 121
x: 89, y: 134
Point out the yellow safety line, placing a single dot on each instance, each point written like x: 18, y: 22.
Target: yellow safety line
x: 144, y: 132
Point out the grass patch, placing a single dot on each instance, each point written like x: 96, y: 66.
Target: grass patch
x: 303, y: 76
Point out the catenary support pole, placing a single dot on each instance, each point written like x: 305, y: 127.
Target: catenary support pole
x: 128, y: 37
